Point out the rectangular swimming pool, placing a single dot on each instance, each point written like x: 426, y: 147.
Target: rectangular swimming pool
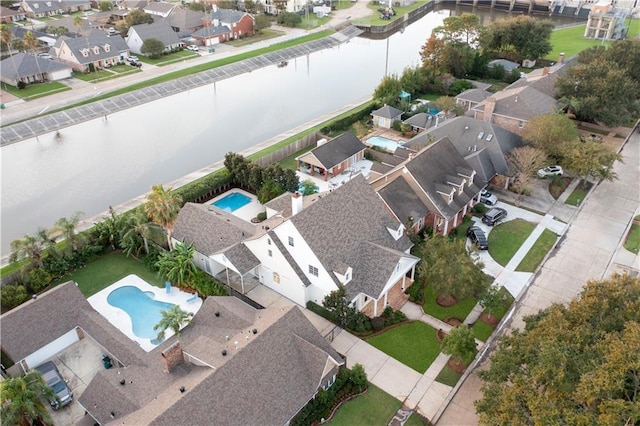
x: 232, y: 202
x: 384, y: 143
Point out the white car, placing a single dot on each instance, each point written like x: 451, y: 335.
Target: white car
x: 550, y: 171
x: 193, y: 48
x: 488, y: 198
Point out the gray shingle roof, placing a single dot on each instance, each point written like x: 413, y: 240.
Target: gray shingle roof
x: 212, y: 30
x: 289, y: 259
x: 403, y: 201
x: 160, y: 30
x: 388, y: 111
x: 474, y: 95
x: 227, y: 16
x: 336, y: 225
x: 430, y: 168
x: 24, y: 65
x: 210, y: 229
x: 421, y: 120
x: 507, y: 65
x: 161, y: 7
x: 463, y: 132
x: 184, y: 19
x: 373, y: 262
x: 281, y: 203
x: 242, y: 258
x: 338, y: 150
x: 95, y: 39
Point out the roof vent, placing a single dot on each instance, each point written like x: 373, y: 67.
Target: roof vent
x: 255, y: 331
x: 182, y: 389
x: 217, y: 314
x: 113, y: 414
x: 224, y: 352
x: 122, y: 382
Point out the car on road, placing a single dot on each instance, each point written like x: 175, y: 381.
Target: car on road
x: 494, y: 216
x: 488, y: 198
x: 193, y: 48
x: 550, y: 171
x: 133, y: 61
x: 53, y: 379
x: 477, y: 237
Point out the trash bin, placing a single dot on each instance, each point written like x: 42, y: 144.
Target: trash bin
x: 106, y: 361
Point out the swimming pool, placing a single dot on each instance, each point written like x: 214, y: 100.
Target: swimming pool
x: 384, y: 143
x: 232, y: 202
x: 141, y: 307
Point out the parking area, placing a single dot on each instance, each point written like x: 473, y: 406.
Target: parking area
x: 78, y: 364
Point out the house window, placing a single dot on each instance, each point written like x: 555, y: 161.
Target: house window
x: 346, y: 277
x: 313, y: 270
x: 269, y: 241
x: 96, y: 50
x: 291, y: 241
x: 270, y: 253
x: 107, y: 48
x: 330, y: 382
x: 276, y: 278
x: 85, y: 52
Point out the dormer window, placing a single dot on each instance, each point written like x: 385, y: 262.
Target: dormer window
x: 106, y: 48
x: 96, y: 50
x: 85, y: 52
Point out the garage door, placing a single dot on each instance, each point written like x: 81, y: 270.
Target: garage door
x: 46, y: 352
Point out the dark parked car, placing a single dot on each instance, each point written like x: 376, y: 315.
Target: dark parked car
x: 477, y: 237
x: 54, y: 380
x: 494, y: 215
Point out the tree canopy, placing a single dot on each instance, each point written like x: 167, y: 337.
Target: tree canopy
x: 22, y: 400
x: 518, y: 38
x: 137, y: 16
x: 605, y: 83
x: 550, y: 132
x: 162, y: 207
x: 574, y: 364
x: 152, y: 47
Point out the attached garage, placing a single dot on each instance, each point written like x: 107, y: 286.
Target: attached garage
x: 48, y: 351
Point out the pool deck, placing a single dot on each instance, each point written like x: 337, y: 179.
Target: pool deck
x: 121, y: 319
x: 246, y: 212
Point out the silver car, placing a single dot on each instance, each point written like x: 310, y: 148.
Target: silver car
x: 53, y: 379
x: 488, y: 198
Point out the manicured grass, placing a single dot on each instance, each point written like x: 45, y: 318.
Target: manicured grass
x: 632, y: 242
x: 506, y: 238
x: 108, y: 269
x: 34, y: 91
x: 374, y: 18
x: 448, y: 377
x: 265, y: 34
x: 538, y: 251
x: 415, y: 420
x: 571, y: 40
x: 481, y: 330
x: 94, y: 75
x: 373, y: 408
x: 460, y: 310
x: 578, y: 194
x: 170, y: 58
x: 413, y: 344
x: 290, y: 162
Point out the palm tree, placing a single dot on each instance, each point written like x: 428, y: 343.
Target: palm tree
x: 31, y: 42
x: 173, y: 319
x: 177, y: 265
x: 162, y: 207
x: 67, y: 228
x: 32, y: 247
x: 6, y: 35
x: 139, y: 228
x: 22, y: 397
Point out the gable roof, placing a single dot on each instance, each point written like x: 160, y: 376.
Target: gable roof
x: 507, y: 65
x: 336, y: 225
x: 160, y: 30
x: 95, y: 39
x: 24, y: 65
x: 437, y: 169
x: 474, y: 95
x: 334, y: 152
x: 159, y: 6
x: 403, y: 201
x: 210, y: 229
x: 387, y: 111
x: 227, y: 16
x: 184, y: 18
x: 471, y: 137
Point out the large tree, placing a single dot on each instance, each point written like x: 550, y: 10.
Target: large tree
x: 605, y: 83
x: 591, y: 159
x: 460, y: 343
x: 152, y: 47
x: 523, y: 163
x: 518, y: 38
x: 22, y: 399
x: 177, y: 265
x: 460, y: 29
x: 67, y: 229
x: 32, y: 248
x: 573, y: 364
x: 137, y: 231
x: 162, y: 207
x: 137, y: 16
x: 448, y: 267
x: 550, y: 133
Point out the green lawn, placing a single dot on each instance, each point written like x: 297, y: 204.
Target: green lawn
x: 481, y: 330
x: 108, y: 269
x: 506, y: 238
x: 571, y: 40
x: 415, y: 420
x: 373, y: 408
x: 460, y: 310
x: 633, y: 238
x: 413, y: 344
x: 538, y: 251
x: 265, y: 34
x: 448, y: 377
x: 374, y: 18
x: 170, y: 58
x: 37, y: 90
x: 578, y: 194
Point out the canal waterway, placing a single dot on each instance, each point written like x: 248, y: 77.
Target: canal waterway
x: 106, y: 161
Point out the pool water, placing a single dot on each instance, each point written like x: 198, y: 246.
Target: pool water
x: 232, y: 202
x: 143, y: 310
x: 384, y: 143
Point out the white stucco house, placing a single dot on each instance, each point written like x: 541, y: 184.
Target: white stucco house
x: 307, y: 247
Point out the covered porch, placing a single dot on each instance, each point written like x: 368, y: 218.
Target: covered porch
x: 394, y: 297
x: 241, y: 283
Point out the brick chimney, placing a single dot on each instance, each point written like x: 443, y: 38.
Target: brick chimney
x: 172, y: 357
x: 489, y: 106
x: 545, y: 71
x: 561, y: 58
x: 296, y: 203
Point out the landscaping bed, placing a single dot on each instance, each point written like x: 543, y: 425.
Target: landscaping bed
x: 558, y: 185
x: 579, y: 193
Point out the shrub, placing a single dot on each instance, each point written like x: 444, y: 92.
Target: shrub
x: 38, y: 279
x: 459, y: 86
x: 206, y: 285
x: 359, y: 377
x: 359, y: 322
x: 397, y: 125
x: 344, y: 123
x: 261, y: 216
x: 323, y: 312
x: 21, y: 85
x: 415, y: 292
x: 13, y: 295
x: 377, y: 323
x: 479, y: 209
x: 204, y: 186
x: 392, y: 317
